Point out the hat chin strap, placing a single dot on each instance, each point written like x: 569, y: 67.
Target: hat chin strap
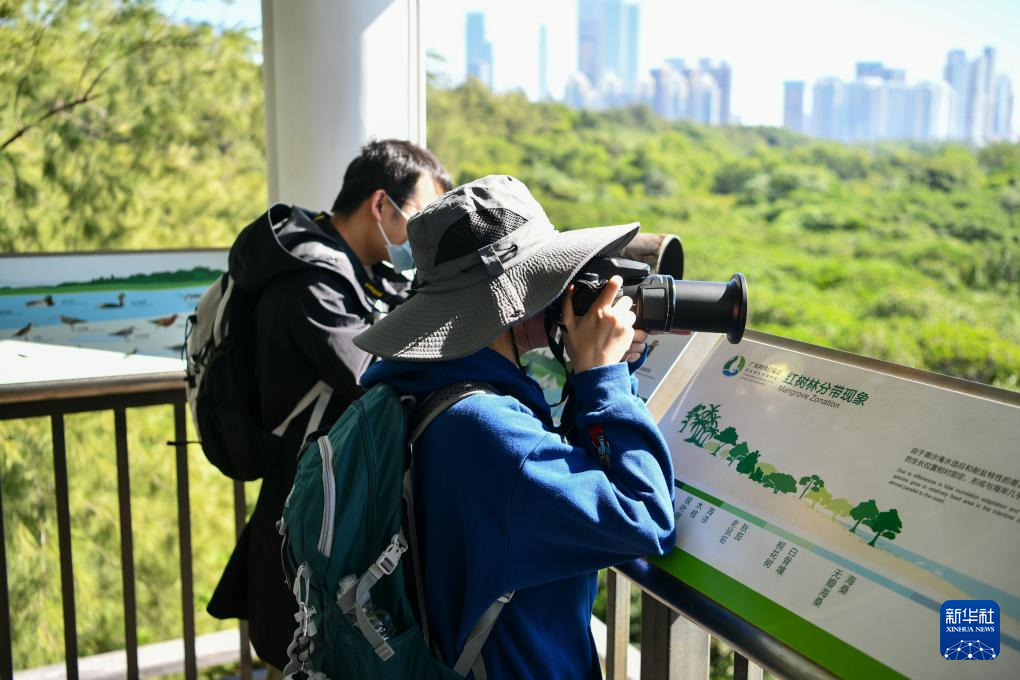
x: 556, y: 346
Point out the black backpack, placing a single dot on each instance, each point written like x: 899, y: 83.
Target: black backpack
x: 222, y: 389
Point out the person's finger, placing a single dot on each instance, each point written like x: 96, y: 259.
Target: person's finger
x: 627, y: 318
x: 640, y: 336
x: 625, y: 303
x: 567, y: 312
x: 608, y: 294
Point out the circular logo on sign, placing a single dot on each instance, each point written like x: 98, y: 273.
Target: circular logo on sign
x: 733, y: 366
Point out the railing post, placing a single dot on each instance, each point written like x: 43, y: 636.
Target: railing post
x: 127, y: 559
x: 64, y: 534
x: 672, y: 648
x: 184, y: 525
x: 744, y: 669
x: 6, y: 634
x: 617, y: 625
x: 240, y: 519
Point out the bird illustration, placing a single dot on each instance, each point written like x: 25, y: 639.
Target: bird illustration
x: 42, y: 302
x: 164, y: 321
x: 124, y: 332
x: 113, y: 305
x: 23, y: 332
x: 176, y: 349
x: 71, y: 320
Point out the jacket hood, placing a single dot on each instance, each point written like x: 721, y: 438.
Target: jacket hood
x: 420, y: 378
x: 286, y: 239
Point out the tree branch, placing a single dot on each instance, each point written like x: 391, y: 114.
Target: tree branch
x: 57, y: 108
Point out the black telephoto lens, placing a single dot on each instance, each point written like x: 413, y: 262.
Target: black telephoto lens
x: 711, y: 306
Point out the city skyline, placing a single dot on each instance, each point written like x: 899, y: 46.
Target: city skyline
x: 971, y: 103
x: 914, y: 35
x: 765, y: 44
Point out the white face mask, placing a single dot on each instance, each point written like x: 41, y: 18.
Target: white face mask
x: 398, y: 256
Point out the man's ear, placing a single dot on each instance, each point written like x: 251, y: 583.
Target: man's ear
x: 375, y: 203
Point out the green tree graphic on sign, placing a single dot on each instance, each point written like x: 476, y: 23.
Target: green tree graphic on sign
x: 821, y: 496
x: 691, y: 416
x: 738, y: 452
x: 864, y: 510
x: 727, y: 436
x: 703, y: 422
x: 840, y: 507
x: 814, y: 483
x: 780, y: 482
x: 703, y: 425
x: 886, y: 524
x: 748, y: 463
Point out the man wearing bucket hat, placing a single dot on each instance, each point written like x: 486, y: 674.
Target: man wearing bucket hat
x: 502, y: 501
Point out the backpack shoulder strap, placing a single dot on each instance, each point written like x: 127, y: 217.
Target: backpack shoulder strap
x: 440, y: 400
x: 421, y: 417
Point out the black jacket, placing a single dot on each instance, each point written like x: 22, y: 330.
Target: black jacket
x: 310, y: 308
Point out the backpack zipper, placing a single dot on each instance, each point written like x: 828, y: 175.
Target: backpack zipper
x: 325, y: 544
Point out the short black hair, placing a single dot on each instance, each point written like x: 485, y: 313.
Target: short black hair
x: 394, y: 165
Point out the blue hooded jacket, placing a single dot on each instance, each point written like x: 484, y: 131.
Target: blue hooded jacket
x: 503, y: 503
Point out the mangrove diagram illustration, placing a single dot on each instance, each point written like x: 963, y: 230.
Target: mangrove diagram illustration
x: 706, y: 433
x: 143, y: 313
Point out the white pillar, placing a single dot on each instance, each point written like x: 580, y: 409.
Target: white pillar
x: 336, y: 73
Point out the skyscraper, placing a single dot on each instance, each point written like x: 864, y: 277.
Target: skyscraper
x: 607, y: 42
x: 828, y: 110
x: 723, y: 75
x: 632, y: 18
x: 589, y: 22
x: 543, y: 66
x: 1002, y: 111
x: 793, y: 105
x: 957, y: 74
x: 479, y: 50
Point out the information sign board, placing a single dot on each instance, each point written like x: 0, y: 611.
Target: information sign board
x: 127, y: 302
x: 837, y: 504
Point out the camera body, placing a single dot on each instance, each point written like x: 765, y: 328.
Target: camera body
x: 664, y: 304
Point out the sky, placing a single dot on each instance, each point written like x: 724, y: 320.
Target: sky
x: 766, y: 42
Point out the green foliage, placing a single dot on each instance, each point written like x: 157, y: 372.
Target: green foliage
x: 911, y: 255
x: 32, y: 547
x: 122, y: 129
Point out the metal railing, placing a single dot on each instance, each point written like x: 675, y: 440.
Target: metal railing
x: 676, y: 620
x: 55, y: 400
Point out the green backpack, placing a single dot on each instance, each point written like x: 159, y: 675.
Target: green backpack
x: 344, y: 536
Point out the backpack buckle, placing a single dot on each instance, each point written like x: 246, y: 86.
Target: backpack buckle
x: 390, y: 557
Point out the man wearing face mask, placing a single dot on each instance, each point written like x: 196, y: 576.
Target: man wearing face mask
x: 305, y: 323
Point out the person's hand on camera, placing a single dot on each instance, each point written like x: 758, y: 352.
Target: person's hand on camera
x: 604, y: 334
x: 637, y: 346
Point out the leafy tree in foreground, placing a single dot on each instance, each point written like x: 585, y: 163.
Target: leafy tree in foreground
x: 120, y: 128
x: 863, y: 511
